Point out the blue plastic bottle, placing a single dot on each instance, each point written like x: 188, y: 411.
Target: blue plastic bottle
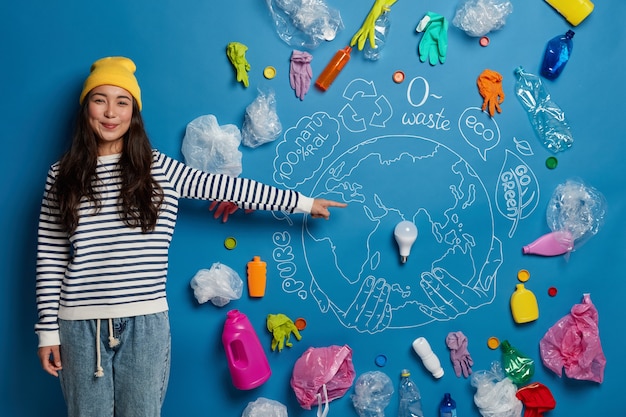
x: 447, y: 407
x: 557, y: 54
x: 381, y: 31
x: 410, y: 398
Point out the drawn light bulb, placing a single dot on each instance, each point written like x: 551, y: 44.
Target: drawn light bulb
x: 405, y: 234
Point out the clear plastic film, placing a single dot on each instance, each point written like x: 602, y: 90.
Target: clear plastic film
x: 265, y: 407
x: 220, y: 285
x: 495, y: 393
x: 578, y: 209
x: 212, y: 148
x: 305, y: 23
x: 261, y: 123
x: 372, y: 393
x: 479, y: 17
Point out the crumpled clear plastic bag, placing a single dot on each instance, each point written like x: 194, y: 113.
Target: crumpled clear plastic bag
x: 328, y: 369
x: 479, y: 17
x: 372, y: 392
x: 261, y: 123
x: 212, y: 148
x: 220, y: 284
x: 495, y: 393
x: 305, y: 23
x: 578, y: 209
x: 573, y: 343
x: 265, y: 407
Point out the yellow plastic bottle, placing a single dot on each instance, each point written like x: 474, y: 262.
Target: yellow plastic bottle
x: 524, y: 305
x: 574, y: 11
x: 257, y: 277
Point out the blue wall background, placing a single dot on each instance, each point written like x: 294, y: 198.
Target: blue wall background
x: 179, y: 48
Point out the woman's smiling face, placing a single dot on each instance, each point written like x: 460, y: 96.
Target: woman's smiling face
x: 110, y: 113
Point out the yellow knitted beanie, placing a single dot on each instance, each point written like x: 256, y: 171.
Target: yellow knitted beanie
x: 116, y: 70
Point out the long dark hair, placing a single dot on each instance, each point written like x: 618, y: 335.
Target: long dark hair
x: 140, y: 195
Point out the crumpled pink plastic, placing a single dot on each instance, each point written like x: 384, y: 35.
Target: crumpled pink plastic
x: 330, y: 365
x: 573, y: 343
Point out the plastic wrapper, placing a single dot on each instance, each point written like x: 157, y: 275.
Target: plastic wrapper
x: 264, y: 407
x: 479, y: 17
x: 261, y: 123
x: 495, y: 393
x: 305, y: 23
x: 578, y: 209
x: 372, y: 392
x: 518, y: 367
x: 220, y: 285
x: 328, y: 368
x: 212, y: 148
x: 573, y: 343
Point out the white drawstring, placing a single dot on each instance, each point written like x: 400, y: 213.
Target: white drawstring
x: 321, y: 413
x: 113, y: 342
x: 99, y: 371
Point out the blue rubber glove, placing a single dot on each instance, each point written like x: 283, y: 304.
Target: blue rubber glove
x: 434, y: 43
x: 300, y: 72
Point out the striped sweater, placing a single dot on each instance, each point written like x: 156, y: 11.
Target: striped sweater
x: 106, y: 269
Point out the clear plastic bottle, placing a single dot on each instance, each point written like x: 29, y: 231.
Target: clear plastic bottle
x: 447, y: 407
x: 410, y: 398
x: 556, y: 55
x: 381, y: 31
x: 545, y: 115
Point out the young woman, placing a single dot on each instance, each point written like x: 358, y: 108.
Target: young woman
x: 107, y: 218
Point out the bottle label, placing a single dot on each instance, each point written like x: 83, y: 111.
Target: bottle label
x: 451, y: 413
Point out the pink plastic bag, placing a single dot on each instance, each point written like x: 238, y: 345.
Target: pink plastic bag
x: 573, y: 343
x: 331, y: 366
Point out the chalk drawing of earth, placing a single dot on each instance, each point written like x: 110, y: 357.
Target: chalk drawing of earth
x: 353, y: 260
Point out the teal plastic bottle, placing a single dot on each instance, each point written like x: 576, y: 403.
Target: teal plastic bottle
x: 557, y: 54
x: 447, y: 407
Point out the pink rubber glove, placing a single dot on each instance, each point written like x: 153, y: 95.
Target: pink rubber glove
x: 224, y: 209
x: 459, y: 355
x: 300, y: 72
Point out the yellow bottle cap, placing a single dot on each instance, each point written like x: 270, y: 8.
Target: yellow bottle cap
x: 269, y: 72
x: 523, y: 275
x: 493, y: 342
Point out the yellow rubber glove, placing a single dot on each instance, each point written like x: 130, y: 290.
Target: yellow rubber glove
x: 236, y: 53
x: 367, y: 30
x: 281, y: 328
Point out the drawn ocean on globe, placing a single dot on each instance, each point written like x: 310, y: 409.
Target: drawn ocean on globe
x: 354, y: 271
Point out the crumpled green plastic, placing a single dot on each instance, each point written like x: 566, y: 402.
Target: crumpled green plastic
x: 236, y: 53
x: 519, y: 368
x: 434, y: 43
x: 281, y: 328
x: 368, y: 29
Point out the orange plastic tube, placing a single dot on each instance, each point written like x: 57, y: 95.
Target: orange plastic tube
x: 333, y: 68
x: 257, y: 277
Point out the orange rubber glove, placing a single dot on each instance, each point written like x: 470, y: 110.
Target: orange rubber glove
x: 490, y: 87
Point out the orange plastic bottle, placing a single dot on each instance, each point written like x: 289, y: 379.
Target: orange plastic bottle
x: 257, y: 277
x: 333, y: 68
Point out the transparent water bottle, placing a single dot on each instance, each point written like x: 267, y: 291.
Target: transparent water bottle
x: 381, y: 31
x: 410, y: 398
x: 545, y: 115
x: 556, y: 55
x: 447, y: 407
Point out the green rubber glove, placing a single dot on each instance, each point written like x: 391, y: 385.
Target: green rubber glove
x: 281, y: 328
x: 368, y: 29
x: 236, y: 53
x: 434, y: 43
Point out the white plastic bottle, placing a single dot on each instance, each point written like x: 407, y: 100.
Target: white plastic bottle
x: 430, y: 360
x: 410, y: 398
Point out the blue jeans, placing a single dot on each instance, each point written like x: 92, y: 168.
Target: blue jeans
x: 136, y: 371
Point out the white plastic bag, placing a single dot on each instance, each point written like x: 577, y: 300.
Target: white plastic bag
x: 220, y: 285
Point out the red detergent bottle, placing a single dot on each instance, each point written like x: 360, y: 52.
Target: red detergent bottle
x: 246, y: 358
